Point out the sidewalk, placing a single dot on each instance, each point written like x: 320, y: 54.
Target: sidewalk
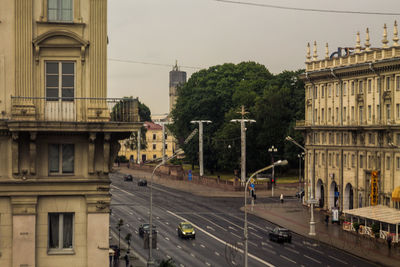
x: 292, y: 215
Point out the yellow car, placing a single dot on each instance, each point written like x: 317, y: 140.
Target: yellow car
x: 186, y: 230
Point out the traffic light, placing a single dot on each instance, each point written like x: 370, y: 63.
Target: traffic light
x: 273, y: 180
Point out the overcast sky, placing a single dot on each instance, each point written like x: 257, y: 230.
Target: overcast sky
x: 204, y: 33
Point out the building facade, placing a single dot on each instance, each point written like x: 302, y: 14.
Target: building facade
x: 352, y: 124
x: 176, y: 77
x: 154, y: 140
x: 59, y: 133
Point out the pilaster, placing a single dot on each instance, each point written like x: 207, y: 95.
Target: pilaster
x: 92, y: 138
x: 106, y: 153
x: 14, y: 152
x: 32, y: 153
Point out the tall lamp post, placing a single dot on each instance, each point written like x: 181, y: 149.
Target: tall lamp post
x: 201, y: 161
x: 150, y: 261
x: 279, y: 162
x: 272, y: 150
x: 312, y: 200
x: 300, y: 156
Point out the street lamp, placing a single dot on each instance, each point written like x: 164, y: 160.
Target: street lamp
x: 150, y: 261
x: 272, y: 150
x: 278, y: 163
x: 201, y: 161
x: 300, y: 156
x: 312, y: 200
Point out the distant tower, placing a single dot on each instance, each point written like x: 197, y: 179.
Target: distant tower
x: 176, y: 77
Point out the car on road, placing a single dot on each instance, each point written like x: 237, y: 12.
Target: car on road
x: 280, y: 235
x: 186, y: 230
x: 144, y: 229
x: 128, y: 178
x: 142, y: 182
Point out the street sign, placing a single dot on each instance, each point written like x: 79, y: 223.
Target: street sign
x: 312, y: 201
x: 190, y: 175
x: 252, y: 186
x: 252, y: 180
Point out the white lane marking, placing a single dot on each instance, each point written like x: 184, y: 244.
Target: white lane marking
x: 252, y: 228
x: 127, y: 225
x: 286, y: 258
x: 166, y: 238
x: 158, y: 218
x: 256, y: 235
x: 292, y: 250
x: 269, y: 250
x: 131, y: 213
x: 208, y: 264
x: 240, y: 243
x: 181, y: 265
x: 254, y: 244
x: 230, y: 227
x: 136, y: 232
x: 308, y: 257
x: 234, y: 263
x: 310, y: 244
x: 204, y: 218
x: 178, y: 246
x: 167, y: 223
x: 209, y: 227
x: 236, y: 235
x: 313, y: 249
x: 266, y: 244
x: 268, y: 228
x: 216, y: 253
x: 201, y: 245
x: 222, y: 241
x: 191, y: 254
x: 222, y: 218
x: 338, y: 260
x: 168, y: 256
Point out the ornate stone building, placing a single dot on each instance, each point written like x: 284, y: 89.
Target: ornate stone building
x: 58, y: 133
x: 352, y: 123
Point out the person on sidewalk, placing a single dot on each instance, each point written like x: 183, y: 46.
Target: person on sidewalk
x: 126, y: 258
x: 281, y: 198
x: 389, y: 241
x: 327, y: 219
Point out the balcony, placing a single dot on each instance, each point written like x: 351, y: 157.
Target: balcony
x: 69, y: 109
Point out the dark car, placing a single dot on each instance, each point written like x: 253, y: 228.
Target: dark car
x: 280, y: 235
x: 128, y: 178
x: 144, y: 229
x: 142, y: 182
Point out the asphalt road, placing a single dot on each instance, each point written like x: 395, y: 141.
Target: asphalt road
x: 219, y: 231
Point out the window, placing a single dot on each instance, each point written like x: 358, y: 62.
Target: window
x: 316, y: 91
x: 166, y: 136
x: 337, y: 114
x: 378, y: 82
x: 352, y: 113
x: 323, y: 159
x: 338, y: 138
x: 361, y: 161
x: 329, y: 90
x: 315, y: 114
x: 330, y: 159
x: 316, y: 158
x: 344, y: 89
x: 369, y: 162
x: 388, y: 83
x: 397, y: 83
x: 353, y: 161
x: 378, y: 111
x: 388, y: 163
x: 166, y: 146
x: 388, y: 111
x: 61, y: 158
x: 60, y: 80
x: 397, y: 111
x: 329, y: 114
x: 60, y: 10
x: 398, y: 163
x: 61, y: 231
x: 337, y: 160
x: 352, y: 88
x: 360, y: 114
x: 360, y: 87
x: 154, y: 136
x: 323, y: 138
x: 369, y: 86
x: 344, y: 113
x: 154, y: 156
x: 344, y: 160
x: 154, y: 146
x: 369, y: 112
x: 330, y: 138
x: 322, y: 91
x: 398, y: 139
x: 337, y: 89
x: 322, y: 114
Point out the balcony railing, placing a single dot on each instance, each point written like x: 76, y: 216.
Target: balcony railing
x: 74, y: 109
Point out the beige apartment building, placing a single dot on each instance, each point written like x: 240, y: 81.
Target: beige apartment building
x: 59, y: 133
x: 352, y: 124
x: 154, y: 140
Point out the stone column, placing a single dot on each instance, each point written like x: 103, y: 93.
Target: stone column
x: 92, y: 138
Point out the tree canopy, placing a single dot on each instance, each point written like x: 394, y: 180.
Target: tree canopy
x: 217, y: 94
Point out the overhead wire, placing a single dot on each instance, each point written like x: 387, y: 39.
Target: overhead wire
x: 152, y: 63
x: 309, y: 9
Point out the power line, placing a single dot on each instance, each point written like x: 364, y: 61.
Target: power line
x: 151, y: 63
x: 308, y: 9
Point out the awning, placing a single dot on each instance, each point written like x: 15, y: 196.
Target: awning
x: 378, y: 213
x: 396, y: 194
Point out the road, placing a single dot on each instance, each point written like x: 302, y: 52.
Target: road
x: 219, y: 230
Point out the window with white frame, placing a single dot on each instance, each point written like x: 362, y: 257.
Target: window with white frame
x: 388, y: 83
x: 154, y: 136
x: 322, y: 91
x: 360, y: 87
x: 388, y: 111
x: 154, y: 146
x: 60, y: 10
x: 61, y: 158
x: 60, y: 80
x: 61, y: 231
x: 329, y: 114
x: 352, y: 87
x: 344, y: 113
x: 398, y: 139
x: 397, y: 111
x: 361, y: 162
x: 353, y: 161
x: 352, y: 113
x: 337, y: 89
x: 322, y: 114
x: 154, y: 156
x: 344, y: 89
x: 337, y: 114
x: 330, y: 159
x: 329, y: 90
x: 398, y: 163
x: 369, y: 162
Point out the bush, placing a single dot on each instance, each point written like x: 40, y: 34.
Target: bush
x: 375, y: 229
x: 356, y: 226
x: 121, y: 159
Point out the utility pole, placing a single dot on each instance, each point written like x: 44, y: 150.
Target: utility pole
x: 138, y: 145
x: 201, y: 164
x: 243, y: 143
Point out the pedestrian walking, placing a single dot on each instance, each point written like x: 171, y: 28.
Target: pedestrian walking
x: 327, y: 219
x: 281, y: 198
x: 389, y: 241
x: 126, y: 258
